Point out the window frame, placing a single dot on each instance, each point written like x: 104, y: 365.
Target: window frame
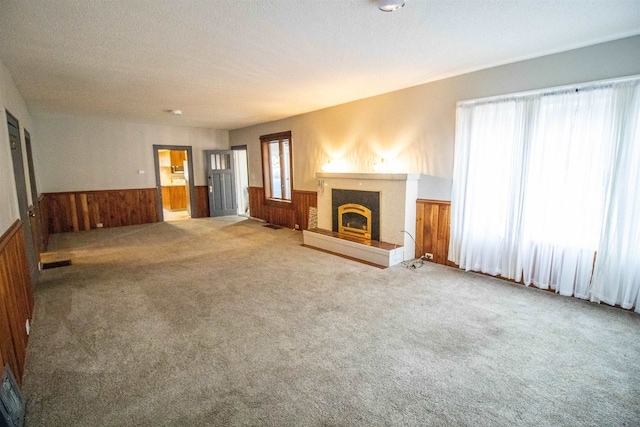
x: 267, y: 174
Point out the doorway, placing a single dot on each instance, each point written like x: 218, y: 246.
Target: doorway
x: 174, y: 182
x: 242, y: 178
x: 34, y: 213
x: 221, y: 183
x: 26, y: 214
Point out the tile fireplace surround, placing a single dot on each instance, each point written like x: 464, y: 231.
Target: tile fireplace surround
x: 398, y: 195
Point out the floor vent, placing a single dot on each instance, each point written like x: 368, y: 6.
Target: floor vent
x: 275, y: 227
x: 12, y: 403
x: 48, y: 265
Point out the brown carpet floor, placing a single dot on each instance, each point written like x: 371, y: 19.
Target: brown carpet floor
x: 216, y: 322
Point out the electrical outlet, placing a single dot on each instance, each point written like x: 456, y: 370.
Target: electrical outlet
x: 428, y: 256
x: 28, y: 327
x: 99, y: 225
x: 297, y: 227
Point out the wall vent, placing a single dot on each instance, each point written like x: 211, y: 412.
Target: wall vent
x: 12, y: 405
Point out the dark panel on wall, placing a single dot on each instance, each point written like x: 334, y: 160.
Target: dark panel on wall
x: 44, y: 223
x: 283, y: 214
x: 302, y: 201
x: 16, y: 299
x: 202, y: 201
x: 256, y: 202
x: 84, y: 210
x: 432, y: 229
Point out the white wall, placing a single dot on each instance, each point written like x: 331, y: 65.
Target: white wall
x: 81, y: 153
x: 415, y: 127
x: 11, y: 100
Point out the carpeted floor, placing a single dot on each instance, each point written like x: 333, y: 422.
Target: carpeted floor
x: 216, y: 322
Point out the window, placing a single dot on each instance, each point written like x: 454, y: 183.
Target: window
x: 276, y: 166
x: 536, y: 178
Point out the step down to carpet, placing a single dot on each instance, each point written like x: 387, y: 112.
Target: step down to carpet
x: 48, y: 265
x: 371, y: 251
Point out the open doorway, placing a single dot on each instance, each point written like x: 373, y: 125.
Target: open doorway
x: 242, y: 178
x: 174, y: 182
x: 27, y: 214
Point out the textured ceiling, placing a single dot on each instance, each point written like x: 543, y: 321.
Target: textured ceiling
x: 232, y: 63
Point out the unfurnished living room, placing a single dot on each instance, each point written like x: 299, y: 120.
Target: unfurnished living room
x: 320, y: 213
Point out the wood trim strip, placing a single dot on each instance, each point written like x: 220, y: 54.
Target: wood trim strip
x: 85, y: 211
x: 96, y: 191
x: 74, y: 212
x: 44, y: 221
x: 438, y: 202
x: 8, y: 235
x: 275, y: 136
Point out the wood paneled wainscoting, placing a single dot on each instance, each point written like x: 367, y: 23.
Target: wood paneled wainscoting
x: 283, y: 214
x: 44, y: 221
x: 432, y: 229
x: 202, y: 201
x: 16, y: 299
x: 84, y: 210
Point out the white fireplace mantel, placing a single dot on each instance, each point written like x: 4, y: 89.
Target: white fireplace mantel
x: 371, y: 176
x: 398, y: 195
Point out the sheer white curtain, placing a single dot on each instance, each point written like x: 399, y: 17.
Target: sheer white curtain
x: 564, y: 191
x: 616, y: 279
x: 487, y: 191
x: 531, y: 177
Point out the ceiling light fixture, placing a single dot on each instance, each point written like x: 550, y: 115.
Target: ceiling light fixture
x: 176, y: 112
x: 390, y: 5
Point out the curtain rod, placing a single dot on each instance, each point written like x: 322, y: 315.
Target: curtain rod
x: 549, y: 91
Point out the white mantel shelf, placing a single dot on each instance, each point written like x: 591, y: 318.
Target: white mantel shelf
x: 370, y: 176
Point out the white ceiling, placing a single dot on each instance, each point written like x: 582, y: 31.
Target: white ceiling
x: 232, y: 63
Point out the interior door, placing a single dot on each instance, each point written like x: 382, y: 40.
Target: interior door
x: 221, y: 181
x: 38, y: 241
x: 21, y: 190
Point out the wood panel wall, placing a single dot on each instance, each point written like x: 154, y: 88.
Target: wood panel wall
x: 44, y: 223
x: 16, y: 299
x: 83, y: 210
x: 256, y: 202
x: 432, y: 229
x: 202, y: 201
x: 284, y: 214
x: 302, y: 201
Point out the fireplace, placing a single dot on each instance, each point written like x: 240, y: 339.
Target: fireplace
x: 354, y: 220
x: 356, y: 213
x: 391, y: 198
